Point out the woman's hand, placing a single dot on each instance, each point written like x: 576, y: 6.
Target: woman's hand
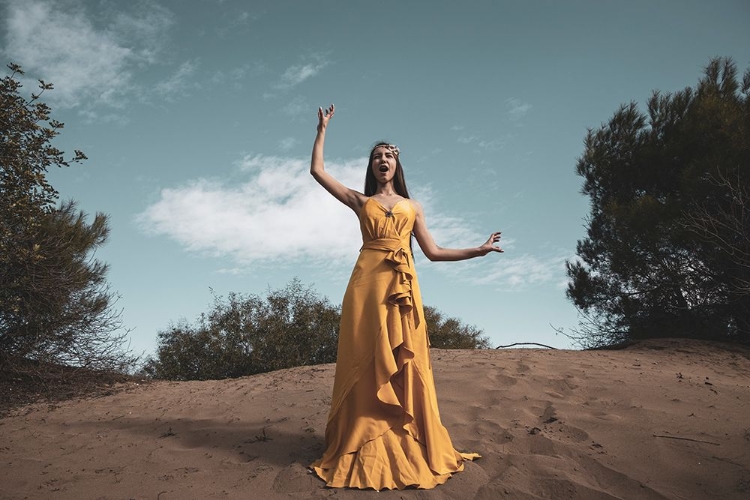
x: 489, y: 245
x: 324, y: 116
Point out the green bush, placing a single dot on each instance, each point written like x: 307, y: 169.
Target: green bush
x: 248, y: 334
x: 451, y: 333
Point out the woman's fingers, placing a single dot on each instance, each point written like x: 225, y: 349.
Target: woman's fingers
x: 494, y: 238
x: 327, y: 111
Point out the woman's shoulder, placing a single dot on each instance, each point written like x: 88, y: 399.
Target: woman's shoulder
x: 414, y: 204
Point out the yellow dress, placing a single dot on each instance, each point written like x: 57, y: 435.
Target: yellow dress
x: 384, y: 428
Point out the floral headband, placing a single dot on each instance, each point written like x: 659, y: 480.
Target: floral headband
x: 390, y: 147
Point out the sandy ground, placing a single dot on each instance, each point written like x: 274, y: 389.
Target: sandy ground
x: 666, y: 419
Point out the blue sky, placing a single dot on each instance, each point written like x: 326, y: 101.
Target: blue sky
x: 198, y: 120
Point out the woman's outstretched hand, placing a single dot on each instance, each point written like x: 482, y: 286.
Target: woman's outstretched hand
x: 489, y: 245
x: 324, y: 116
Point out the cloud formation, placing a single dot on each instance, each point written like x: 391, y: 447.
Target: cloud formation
x: 512, y: 273
x: 179, y: 83
x: 279, y: 215
x: 516, y: 108
x: 294, y: 75
x: 483, y: 144
x: 297, y: 107
x: 91, y: 61
x: 287, y: 143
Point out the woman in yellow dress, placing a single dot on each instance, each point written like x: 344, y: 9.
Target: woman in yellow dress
x: 384, y: 428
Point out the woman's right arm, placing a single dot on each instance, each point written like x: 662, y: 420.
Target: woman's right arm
x: 349, y: 197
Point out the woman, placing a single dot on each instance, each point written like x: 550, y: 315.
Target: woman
x: 384, y: 429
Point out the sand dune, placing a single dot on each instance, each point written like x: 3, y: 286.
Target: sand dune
x: 666, y: 419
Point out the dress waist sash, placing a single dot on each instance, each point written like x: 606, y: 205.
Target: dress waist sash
x: 400, y: 291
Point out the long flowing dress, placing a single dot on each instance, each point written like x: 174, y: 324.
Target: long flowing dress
x: 384, y: 428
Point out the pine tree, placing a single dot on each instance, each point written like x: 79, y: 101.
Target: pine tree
x: 55, y: 304
x: 667, y: 252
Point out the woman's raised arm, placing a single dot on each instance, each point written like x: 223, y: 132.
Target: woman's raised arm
x: 433, y: 252
x: 349, y: 197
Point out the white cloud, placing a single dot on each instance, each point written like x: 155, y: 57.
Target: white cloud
x: 179, y: 83
x: 298, y: 74
x: 516, y: 108
x: 68, y: 51
x: 238, y: 76
x: 294, y: 75
x: 238, y: 20
x: 145, y: 30
x: 296, y: 107
x: 484, y: 144
x: 287, y: 143
x: 278, y: 214
x: 524, y: 271
x: 88, y: 65
x: 492, y: 145
x: 448, y: 231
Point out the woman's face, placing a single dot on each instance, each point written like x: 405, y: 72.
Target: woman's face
x: 383, y: 164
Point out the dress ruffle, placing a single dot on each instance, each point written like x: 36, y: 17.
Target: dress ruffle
x: 394, y: 460
x: 400, y: 291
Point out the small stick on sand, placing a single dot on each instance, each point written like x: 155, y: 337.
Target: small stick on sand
x: 685, y: 439
x: 525, y: 343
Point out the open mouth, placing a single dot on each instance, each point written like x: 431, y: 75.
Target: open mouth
x: 384, y: 168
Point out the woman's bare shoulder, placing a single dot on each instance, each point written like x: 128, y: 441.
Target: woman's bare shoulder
x: 416, y: 206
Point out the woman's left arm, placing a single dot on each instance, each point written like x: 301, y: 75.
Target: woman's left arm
x: 433, y: 252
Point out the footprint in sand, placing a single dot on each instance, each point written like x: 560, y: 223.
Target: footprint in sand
x: 294, y: 478
x: 549, y: 417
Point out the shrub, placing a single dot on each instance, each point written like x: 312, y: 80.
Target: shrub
x: 247, y: 334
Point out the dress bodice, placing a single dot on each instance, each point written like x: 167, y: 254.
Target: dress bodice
x: 377, y: 222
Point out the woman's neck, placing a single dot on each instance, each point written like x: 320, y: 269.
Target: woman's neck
x: 386, y: 190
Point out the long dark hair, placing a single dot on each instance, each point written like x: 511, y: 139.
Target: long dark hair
x: 399, y: 183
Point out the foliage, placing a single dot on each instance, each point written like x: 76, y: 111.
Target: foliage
x: 727, y: 226
x: 451, y: 333
x: 55, y: 305
x: 667, y: 247
x: 247, y: 334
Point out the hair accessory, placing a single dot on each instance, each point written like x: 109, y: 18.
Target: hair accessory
x: 391, y: 147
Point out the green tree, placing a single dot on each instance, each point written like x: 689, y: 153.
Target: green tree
x: 55, y: 305
x: 248, y: 334
x: 665, y: 254
x: 451, y: 333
